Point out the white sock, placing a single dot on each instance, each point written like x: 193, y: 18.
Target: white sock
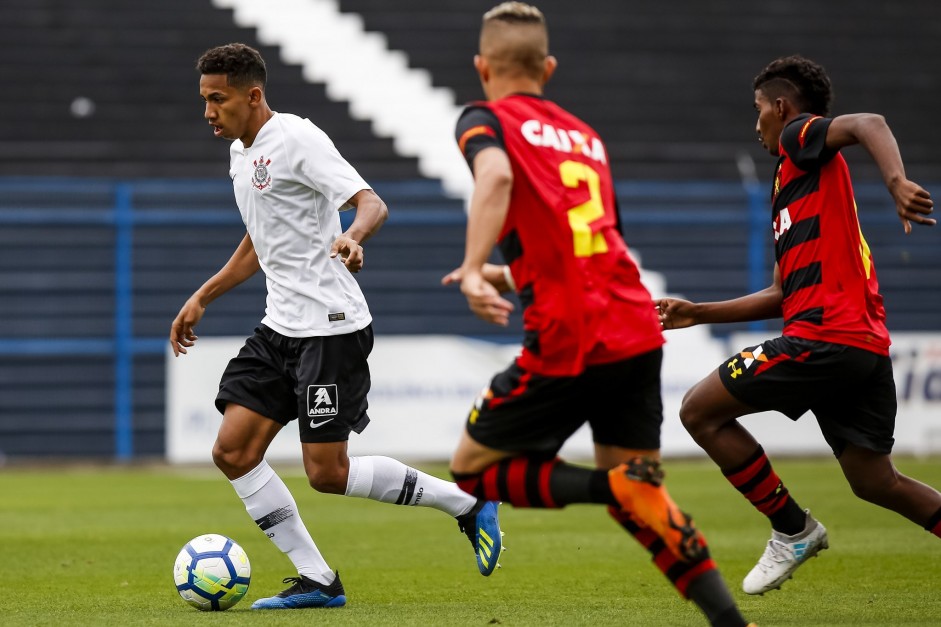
x: 271, y: 506
x: 390, y: 481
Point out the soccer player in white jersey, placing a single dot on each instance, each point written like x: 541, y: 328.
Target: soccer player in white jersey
x: 307, y: 358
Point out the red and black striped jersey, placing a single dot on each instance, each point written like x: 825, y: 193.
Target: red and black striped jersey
x: 583, y: 300
x: 828, y: 277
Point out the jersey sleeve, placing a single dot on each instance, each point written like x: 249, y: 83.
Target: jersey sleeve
x: 319, y: 164
x: 805, y: 142
x: 477, y: 128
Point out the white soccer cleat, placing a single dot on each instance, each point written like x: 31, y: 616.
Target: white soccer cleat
x: 783, y: 555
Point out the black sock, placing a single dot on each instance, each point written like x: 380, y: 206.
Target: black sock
x: 574, y: 484
x: 790, y: 519
x: 710, y: 593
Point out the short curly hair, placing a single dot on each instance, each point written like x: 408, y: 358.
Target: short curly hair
x: 805, y: 82
x: 242, y: 65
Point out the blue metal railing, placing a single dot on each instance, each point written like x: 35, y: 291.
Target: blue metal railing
x: 123, y: 218
x: 117, y: 205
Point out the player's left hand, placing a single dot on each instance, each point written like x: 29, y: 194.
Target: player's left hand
x: 492, y: 273
x: 913, y: 204
x: 350, y: 252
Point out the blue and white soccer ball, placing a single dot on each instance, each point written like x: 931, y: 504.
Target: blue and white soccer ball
x: 212, y: 572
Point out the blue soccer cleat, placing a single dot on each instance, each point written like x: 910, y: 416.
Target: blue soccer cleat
x: 482, y: 528
x: 304, y: 593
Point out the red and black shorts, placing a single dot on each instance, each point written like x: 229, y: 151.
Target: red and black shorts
x: 323, y: 381
x: 530, y: 414
x: 850, y: 391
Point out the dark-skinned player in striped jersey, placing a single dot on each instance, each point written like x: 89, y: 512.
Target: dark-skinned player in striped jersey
x: 833, y: 356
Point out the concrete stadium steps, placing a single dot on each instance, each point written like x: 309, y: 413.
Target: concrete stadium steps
x: 136, y: 64
x: 646, y: 75
x: 667, y: 85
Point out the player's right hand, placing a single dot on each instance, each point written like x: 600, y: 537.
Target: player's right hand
x: 675, y: 313
x: 182, y: 334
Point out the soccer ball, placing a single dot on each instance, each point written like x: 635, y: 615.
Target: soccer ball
x: 212, y: 572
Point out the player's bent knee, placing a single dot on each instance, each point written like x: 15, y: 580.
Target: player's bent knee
x: 234, y: 463
x: 865, y: 492
x: 698, y: 418
x: 874, y: 480
x: 328, y: 481
x: 873, y: 491
x: 692, y: 418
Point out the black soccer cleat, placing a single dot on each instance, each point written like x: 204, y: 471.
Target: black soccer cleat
x: 304, y: 593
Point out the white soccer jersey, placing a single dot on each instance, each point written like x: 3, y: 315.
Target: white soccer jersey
x: 290, y: 186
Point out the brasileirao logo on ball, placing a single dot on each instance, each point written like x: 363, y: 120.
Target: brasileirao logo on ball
x: 212, y: 572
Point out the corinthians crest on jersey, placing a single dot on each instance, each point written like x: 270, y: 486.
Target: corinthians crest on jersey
x: 261, y: 178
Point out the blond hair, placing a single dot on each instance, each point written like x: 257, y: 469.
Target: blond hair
x: 514, y: 39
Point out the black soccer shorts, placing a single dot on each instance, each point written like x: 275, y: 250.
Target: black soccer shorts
x: 850, y: 391
x: 530, y: 414
x: 322, y: 381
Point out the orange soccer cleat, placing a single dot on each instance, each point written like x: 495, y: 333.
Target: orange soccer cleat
x: 638, y: 487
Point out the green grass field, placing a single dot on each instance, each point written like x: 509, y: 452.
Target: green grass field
x: 95, y: 546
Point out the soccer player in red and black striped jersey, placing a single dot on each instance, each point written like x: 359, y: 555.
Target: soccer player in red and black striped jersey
x: 592, y: 342
x: 833, y: 356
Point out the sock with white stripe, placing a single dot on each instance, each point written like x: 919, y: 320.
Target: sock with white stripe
x: 390, y: 481
x: 271, y: 506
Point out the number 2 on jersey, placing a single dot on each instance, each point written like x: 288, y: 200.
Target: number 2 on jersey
x: 581, y: 216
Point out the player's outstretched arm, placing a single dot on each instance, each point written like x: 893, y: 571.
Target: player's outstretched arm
x: 675, y: 313
x: 490, y: 202
x: 241, y: 265
x: 371, y: 214
x: 912, y: 202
